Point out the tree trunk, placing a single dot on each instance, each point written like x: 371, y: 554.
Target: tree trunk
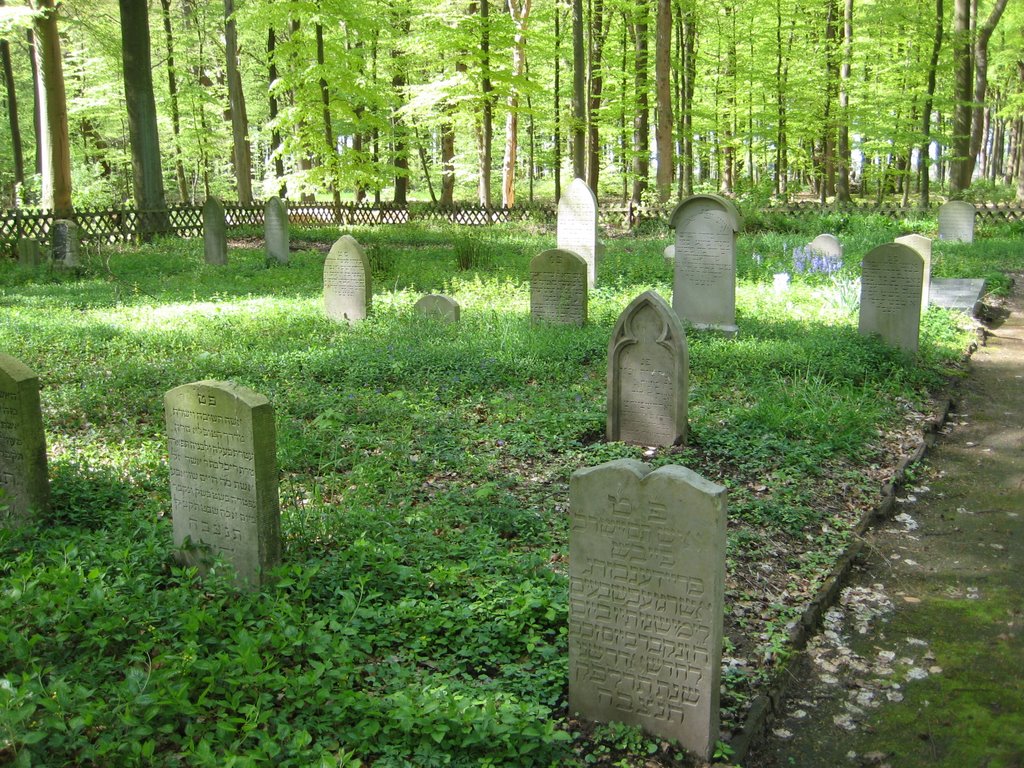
x: 55, y: 148
x: 239, y: 120
x: 689, y: 73
x: 579, y: 93
x: 519, y: 10
x: 12, y: 115
x: 926, y: 117
x: 485, y: 136
x: 728, y: 153
x: 598, y: 34
x: 172, y: 90
x: 828, y: 139
x: 844, y: 158
x: 330, y: 159
x: 275, y: 133
x: 982, y: 37
x: 641, y: 115
x: 663, y: 94
x: 963, y: 68
x: 557, y: 138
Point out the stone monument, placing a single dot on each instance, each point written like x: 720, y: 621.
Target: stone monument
x: 646, y: 593
x: 577, y: 225
x: 24, y: 484
x: 348, y: 287
x: 64, y: 243
x: 704, y: 289
x: 827, y: 245
x: 923, y: 246
x: 215, y: 237
x: 558, y: 287
x: 28, y: 253
x: 956, y: 221
x: 275, y: 230
x: 891, y: 282
x: 438, y: 307
x: 223, y: 466
x: 648, y: 374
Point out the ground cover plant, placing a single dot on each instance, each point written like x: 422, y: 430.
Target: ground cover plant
x: 420, y: 615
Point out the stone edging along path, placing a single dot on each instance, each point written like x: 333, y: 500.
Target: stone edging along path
x: 766, y: 706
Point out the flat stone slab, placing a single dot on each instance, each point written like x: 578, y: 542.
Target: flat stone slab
x: 956, y: 293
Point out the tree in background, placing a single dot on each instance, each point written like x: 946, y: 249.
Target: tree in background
x: 55, y: 149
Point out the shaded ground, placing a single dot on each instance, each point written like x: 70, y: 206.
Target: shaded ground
x: 922, y: 662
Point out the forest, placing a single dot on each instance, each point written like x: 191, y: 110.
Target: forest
x: 132, y: 103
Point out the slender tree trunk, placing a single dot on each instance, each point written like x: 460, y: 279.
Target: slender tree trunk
x: 557, y: 138
x: 519, y: 10
x: 845, y: 158
x: 828, y: 139
x: 728, y: 153
x: 663, y: 93
x: 598, y: 34
x: 12, y: 116
x: 275, y: 133
x: 172, y: 90
x: 55, y: 148
x: 963, y: 70
x: 926, y: 116
x: 981, y: 40
x: 399, y: 129
x: 579, y: 95
x: 486, y: 134
x: 330, y: 160
x: 689, y: 76
x: 641, y: 115
x: 236, y: 97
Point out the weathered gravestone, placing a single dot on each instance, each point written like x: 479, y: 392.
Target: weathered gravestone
x: 826, y: 245
x: 890, y: 295
x: 28, y: 252
x: 669, y: 255
x: 24, y: 485
x: 275, y: 230
x: 923, y: 246
x: 64, y: 243
x: 577, y: 225
x: 223, y: 466
x: 648, y: 371
x: 558, y: 287
x: 704, y: 288
x: 348, y: 288
x: 646, y: 591
x: 215, y: 237
x: 438, y: 307
x: 956, y: 221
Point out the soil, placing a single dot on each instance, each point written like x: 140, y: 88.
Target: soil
x: 922, y: 661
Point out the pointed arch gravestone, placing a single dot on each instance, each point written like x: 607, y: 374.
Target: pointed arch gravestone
x: 923, y: 245
x: 648, y: 370
x: 558, y: 287
x: 956, y: 221
x: 215, y: 238
x: 577, y: 225
x: 24, y: 482
x: 646, y: 594
x: 348, y: 286
x: 438, y: 307
x: 223, y: 464
x: 275, y: 230
x: 704, y: 288
x: 890, y: 295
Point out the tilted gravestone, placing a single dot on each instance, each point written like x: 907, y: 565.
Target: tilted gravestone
x: 827, y: 245
x: 275, y: 230
x: 646, y: 593
x: 890, y: 295
x: 24, y: 484
x: 215, y: 237
x: 348, y: 286
x: 704, y: 288
x: 64, y: 243
x: 438, y: 307
x: 223, y: 465
x: 558, y: 287
x: 28, y: 253
x: 577, y: 225
x: 648, y: 371
x: 956, y: 221
x: 923, y: 246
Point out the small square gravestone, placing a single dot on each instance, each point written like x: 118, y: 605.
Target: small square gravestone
x: 704, y: 288
x: 890, y: 295
x: 648, y: 372
x: 24, y: 484
x: 347, y: 282
x: 646, y: 595
x: 826, y: 245
x: 577, y: 225
x: 438, y: 307
x: 215, y: 237
x: 923, y: 246
x: 558, y: 287
x: 64, y: 243
x: 29, y: 255
x: 223, y: 465
x: 956, y: 221
x: 275, y: 230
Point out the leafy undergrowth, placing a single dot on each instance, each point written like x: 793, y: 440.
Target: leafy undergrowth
x: 419, y: 618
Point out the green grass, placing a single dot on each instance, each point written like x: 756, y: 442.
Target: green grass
x: 420, y: 616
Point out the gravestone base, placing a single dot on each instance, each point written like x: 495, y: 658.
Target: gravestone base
x: 726, y: 330
x: 959, y: 294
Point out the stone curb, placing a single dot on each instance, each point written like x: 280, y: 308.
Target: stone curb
x: 768, y: 705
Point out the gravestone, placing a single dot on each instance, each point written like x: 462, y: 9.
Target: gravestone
x: 670, y: 255
x: 648, y: 373
x: 923, y: 245
x: 275, y: 230
x: 223, y: 465
x: 956, y: 221
x: 28, y: 253
x: 64, y: 243
x: 347, y: 282
x: 827, y: 245
x: 646, y: 593
x: 577, y: 225
x: 438, y: 307
x: 890, y: 295
x: 957, y: 293
x: 704, y: 288
x: 215, y: 237
x: 558, y: 287
x: 24, y: 484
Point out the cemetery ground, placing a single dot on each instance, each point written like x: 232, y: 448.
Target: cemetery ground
x: 419, y: 617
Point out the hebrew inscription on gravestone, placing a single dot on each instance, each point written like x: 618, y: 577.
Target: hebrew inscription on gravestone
x: 223, y: 465
x: 558, y: 287
x: 347, y: 282
x: 646, y: 591
x: 890, y: 295
x: 23, y: 475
